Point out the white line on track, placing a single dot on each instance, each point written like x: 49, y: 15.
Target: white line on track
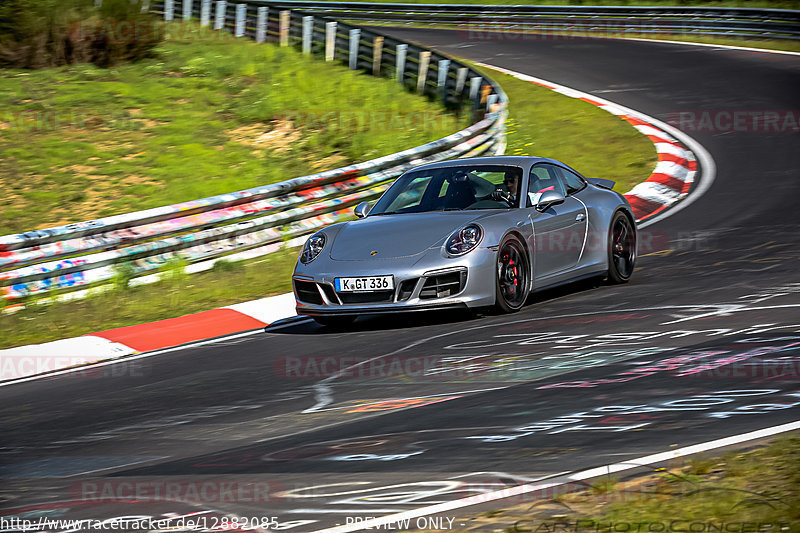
x: 707, y: 45
x: 500, y: 495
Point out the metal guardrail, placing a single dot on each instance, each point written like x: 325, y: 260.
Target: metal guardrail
x: 711, y: 21
x: 85, y: 254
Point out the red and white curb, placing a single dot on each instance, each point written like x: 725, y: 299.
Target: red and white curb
x: 674, y: 174
x: 672, y: 181
x: 41, y: 359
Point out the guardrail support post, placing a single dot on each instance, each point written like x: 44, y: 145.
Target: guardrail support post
x: 187, y: 10
x: 461, y: 80
x: 377, y: 51
x: 261, y: 24
x: 169, y: 10
x: 308, y: 29
x: 475, y: 97
x: 441, y: 82
x: 219, y: 19
x: 283, y: 27
x: 241, y: 17
x: 355, y: 38
x: 400, y: 66
x: 330, y: 40
x: 490, y: 101
x: 474, y: 87
x: 205, y: 13
x: 422, y: 75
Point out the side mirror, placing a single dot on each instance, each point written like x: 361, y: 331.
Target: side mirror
x: 362, y: 209
x: 549, y: 198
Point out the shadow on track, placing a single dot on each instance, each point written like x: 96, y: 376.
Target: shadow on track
x: 303, y: 325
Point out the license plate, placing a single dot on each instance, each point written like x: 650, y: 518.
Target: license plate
x: 370, y: 283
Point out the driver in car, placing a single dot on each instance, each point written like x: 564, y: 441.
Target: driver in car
x: 511, y: 186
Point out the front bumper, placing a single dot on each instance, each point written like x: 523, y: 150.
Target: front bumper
x: 467, y: 281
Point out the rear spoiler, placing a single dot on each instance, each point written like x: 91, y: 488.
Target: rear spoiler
x: 600, y: 182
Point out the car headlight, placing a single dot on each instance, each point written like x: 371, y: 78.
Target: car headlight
x: 464, y: 240
x: 312, y: 248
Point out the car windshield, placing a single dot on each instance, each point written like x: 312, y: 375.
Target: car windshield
x: 453, y: 188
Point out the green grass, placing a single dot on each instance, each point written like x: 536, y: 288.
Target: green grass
x: 541, y: 123
x: 762, y: 485
x: 738, y: 490
x: 594, y: 142
x: 174, y: 295
x: 203, y: 118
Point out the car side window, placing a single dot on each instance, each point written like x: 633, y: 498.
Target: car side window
x: 544, y: 177
x: 573, y: 182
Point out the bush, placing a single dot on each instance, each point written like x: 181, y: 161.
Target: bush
x: 45, y: 33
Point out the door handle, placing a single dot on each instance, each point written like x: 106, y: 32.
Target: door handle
x: 580, y: 217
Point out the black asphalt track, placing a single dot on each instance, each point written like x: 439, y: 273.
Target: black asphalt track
x: 703, y: 343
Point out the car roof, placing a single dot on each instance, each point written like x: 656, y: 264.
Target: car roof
x: 514, y: 160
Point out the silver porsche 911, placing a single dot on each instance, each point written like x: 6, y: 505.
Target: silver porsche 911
x: 467, y: 233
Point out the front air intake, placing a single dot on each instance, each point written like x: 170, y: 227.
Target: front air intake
x: 306, y: 291
x: 443, y: 285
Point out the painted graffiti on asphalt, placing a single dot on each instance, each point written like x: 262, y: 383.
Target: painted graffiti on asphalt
x: 699, y: 362
x: 708, y: 403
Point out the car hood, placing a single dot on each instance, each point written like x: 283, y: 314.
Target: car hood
x: 399, y: 235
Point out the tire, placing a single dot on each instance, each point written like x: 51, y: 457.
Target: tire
x: 621, y: 248
x: 334, y: 321
x: 512, y: 276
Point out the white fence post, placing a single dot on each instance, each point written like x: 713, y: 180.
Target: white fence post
x: 187, y: 10
x: 355, y: 38
x: 308, y: 29
x: 261, y: 24
x: 461, y: 80
x: 444, y: 65
x: 330, y: 40
x: 474, y: 87
x: 219, y: 19
x: 205, y: 13
x: 241, y: 17
x: 400, y: 57
x: 169, y: 10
